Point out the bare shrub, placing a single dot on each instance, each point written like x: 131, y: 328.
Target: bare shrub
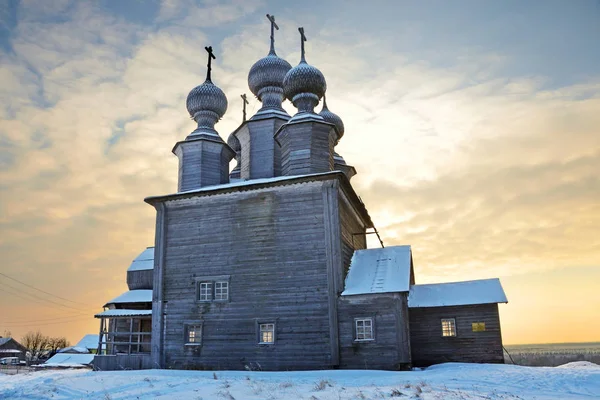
x: 396, y: 393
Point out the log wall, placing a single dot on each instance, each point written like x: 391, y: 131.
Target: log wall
x: 430, y: 347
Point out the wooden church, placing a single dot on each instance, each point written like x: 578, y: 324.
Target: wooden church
x: 266, y: 267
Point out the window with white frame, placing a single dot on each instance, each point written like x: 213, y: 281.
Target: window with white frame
x: 266, y: 333
x: 448, y: 327
x: 193, y: 334
x: 364, y: 329
x: 205, y: 291
x: 221, y: 290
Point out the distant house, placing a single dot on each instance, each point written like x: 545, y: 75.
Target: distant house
x: 9, y: 347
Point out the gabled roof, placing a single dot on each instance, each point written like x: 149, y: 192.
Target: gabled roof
x: 144, y: 261
x: 133, y: 296
x: 384, y: 270
x: 483, y: 291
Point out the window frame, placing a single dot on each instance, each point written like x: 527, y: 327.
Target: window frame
x: 372, y: 329
x: 451, y: 331
x: 212, y: 281
x: 259, y: 332
x: 198, y: 326
x: 226, y: 291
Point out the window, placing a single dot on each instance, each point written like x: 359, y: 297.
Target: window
x: 212, y: 288
x: 448, y: 327
x: 266, y: 334
x: 364, y: 329
x: 221, y: 290
x: 205, y: 292
x: 193, y: 334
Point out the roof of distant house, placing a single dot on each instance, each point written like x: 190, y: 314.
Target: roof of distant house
x: 144, y: 261
x: 385, y: 270
x: 89, y: 341
x: 69, y: 360
x: 483, y: 291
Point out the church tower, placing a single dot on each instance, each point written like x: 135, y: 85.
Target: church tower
x: 306, y: 140
x: 260, y: 155
x: 203, y: 156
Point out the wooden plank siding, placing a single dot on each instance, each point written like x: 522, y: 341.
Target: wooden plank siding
x: 271, y: 242
x: 391, y: 348
x: 430, y: 347
x: 141, y: 279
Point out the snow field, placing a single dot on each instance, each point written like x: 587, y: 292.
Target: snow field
x: 446, y: 381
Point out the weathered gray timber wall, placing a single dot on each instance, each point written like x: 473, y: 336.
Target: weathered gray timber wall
x: 260, y: 156
x: 391, y: 348
x: 121, y: 362
x: 306, y: 147
x: 270, y: 242
x: 352, y: 233
x: 430, y: 347
x: 202, y: 162
x: 141, y: 279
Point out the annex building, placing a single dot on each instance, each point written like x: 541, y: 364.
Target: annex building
x: 265, y: 267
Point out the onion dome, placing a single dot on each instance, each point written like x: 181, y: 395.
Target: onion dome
x: 304, y: 85
x: 332, y: 118
x: 265, y: 78
x: 206, y: 103
x: 234, y: 143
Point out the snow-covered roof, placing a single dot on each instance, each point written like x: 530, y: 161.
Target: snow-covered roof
x: 144, y: 261
x: 383, y: 270
x: 123, y: 313
x: 89, y: 341
x: 69, y: 360
x: 483, y: 291
x: 75, y: 349
x: 4, y: 340
x: 133, y: 296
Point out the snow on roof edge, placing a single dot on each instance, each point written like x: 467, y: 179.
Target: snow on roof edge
x: 462, y: 293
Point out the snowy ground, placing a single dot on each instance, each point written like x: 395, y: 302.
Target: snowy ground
x: 580, y: 380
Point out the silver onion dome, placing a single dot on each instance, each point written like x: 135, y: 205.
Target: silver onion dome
x: 267, y: 74
x: 302, y: 80
x: 265, y: 78
x: 234, y: 143
x: 206, y: 97
x: 304, y: 85
x: 332, y: 118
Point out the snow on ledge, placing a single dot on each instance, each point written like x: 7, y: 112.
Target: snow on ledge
x: 385, y: 270
x: 484, y: 291
x: 133, y: 296
x: 123, y: 313
x: 144, y: 261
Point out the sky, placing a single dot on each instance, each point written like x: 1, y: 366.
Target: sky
x: 474, y: 127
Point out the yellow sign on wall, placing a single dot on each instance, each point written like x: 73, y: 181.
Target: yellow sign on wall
x: 478, y: 326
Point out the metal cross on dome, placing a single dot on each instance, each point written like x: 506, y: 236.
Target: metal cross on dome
x: 209, y: 49
x: 302, y: 40
x: 244, y: 102
x: 273, y: 27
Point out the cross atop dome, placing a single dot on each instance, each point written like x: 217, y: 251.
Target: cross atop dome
x: 211, y: 56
